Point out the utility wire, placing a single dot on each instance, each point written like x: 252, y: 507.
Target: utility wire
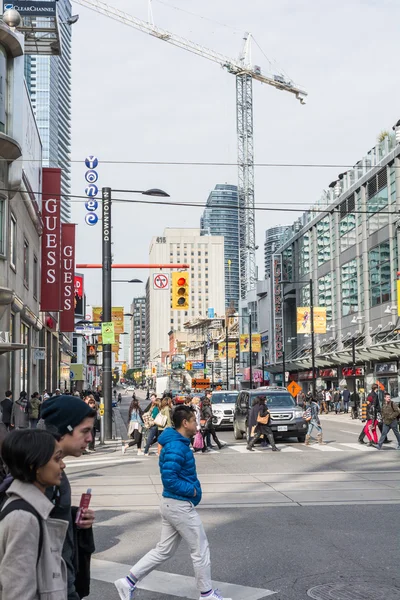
x: 188, y: 12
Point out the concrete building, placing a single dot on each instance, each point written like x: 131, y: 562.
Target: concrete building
x: 350, y: 249
x: 49, y: 84
x: 20, y: 224
x: 138, y: 333
x: 274, y: 238
x: 205, y: 256
x: 221, y: 217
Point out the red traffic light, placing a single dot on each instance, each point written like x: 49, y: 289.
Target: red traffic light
x: 181, y: 281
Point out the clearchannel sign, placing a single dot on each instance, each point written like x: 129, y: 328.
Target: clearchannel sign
x: 32, y: 8
x: 91, y: 190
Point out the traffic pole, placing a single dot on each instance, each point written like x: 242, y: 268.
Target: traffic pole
x: 227, y: 353
x: 106, y: 286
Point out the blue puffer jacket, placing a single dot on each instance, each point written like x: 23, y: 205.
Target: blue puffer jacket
x: 178, y: 467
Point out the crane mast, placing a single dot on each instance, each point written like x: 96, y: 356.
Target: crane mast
x: 245, y: 73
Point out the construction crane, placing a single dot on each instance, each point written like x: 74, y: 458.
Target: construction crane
x: 245, y: 72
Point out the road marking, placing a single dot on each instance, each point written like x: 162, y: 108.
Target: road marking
x: 352, y: 432
x: 285, y: 448
x: 171, y: 584
x: 361, y: 447
x: 327, y: 448
x: 243, y: 449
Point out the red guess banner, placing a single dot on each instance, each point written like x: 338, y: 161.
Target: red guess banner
x: 51, y: 240
x: 67, y: 314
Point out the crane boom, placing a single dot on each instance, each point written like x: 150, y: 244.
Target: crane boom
x: 233, y: 66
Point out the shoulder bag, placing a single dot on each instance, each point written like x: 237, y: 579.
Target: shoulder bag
x: 160, y: 420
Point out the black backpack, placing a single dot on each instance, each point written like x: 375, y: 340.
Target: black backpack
x: 24, y: 505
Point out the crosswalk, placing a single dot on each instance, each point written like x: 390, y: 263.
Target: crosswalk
x: 329, y: 447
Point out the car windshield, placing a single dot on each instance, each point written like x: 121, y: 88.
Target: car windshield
x: 279, y: 400
x: 223, y: 398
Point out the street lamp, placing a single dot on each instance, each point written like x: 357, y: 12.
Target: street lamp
x: 106, y: 194
x: 126, y: 281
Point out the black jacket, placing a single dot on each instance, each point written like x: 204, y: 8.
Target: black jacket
x: 6, y: 409
x: 371, y: 411
x: 263, y: 412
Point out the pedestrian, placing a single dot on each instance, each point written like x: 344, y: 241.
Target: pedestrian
x: 324, y: 405
x: 31, y: 540
x: 20, y: 412
x: 148, y: 418
x: 337, y: 400
x: 73, y: 419
x: 328, y: 400
x: 390, y: 415
x: 91, y: 402
x: 180, y: 520
x: 197, y: 411
x: 311, y: 415
x: 262, y: 427
x: 119, y: 398
x: 135, y: 427
x: 166, y: 413
x: 373, y: 397
x: 33, y: 410
x: 354, y: 404
x: 346, y: 399
x: 6, y: 409
x: 209, y: 429
x: 252, y: 423
x: 372, y: 422
x: 57, y: 392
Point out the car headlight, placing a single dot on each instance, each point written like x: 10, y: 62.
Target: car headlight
x: 217, y: 412
x: 298, y: 413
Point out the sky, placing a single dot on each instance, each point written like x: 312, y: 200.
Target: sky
x: 137, y: 98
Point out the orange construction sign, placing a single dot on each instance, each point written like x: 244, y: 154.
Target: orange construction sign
x: 294, y: 388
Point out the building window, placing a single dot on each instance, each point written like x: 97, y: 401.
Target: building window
x: 377, y: 200
x: 349, y: 288
x: 325, y: 294
x: 379, y: 274
x: 2, y: 227
x: 35, y: 277
x: 305, y: 295
x: 26, y: 263
x: 287, y: 263
x: 323, y: 240
x: 304, y: 254
x: 347, y: 224
x: 13, y: 242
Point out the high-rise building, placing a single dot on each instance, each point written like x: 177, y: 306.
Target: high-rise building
x: 221, y: 217
x: 49, y: 84
x: 138, y: 333
x: 205, y: 256
x: 274, y: 238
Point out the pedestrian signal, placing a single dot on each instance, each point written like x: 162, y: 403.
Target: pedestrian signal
x: 180, y: 290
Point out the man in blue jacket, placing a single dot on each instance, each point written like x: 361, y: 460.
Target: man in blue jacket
x: 180, y: 520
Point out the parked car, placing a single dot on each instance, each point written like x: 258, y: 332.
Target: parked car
x: 131, y: 388
x: 286, y: 417
x: 223, y: 407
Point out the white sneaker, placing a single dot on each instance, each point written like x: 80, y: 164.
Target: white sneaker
x: 126, y: 592
x: 215, y: 595
x: 124, y: 449
x: 140, y: 452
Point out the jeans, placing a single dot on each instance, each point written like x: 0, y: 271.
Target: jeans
x: 346, y: 406
x: 136, y: 439
x: 394, y: 426
x: 180, y: 520
x: 33, y: 423
x: 151, y: 437
x: 311, y: 426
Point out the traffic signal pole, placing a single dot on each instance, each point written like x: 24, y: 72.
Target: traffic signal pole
x: 227, y: 353
x: 106, y: 285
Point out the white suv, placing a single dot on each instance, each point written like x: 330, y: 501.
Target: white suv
x: 223, y: 407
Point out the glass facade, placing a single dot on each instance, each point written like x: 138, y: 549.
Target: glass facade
x: 323, y: 240
x: 325, y: 294
x: 221, y: 217
x: 379, y: 274
x: 49, y: 84
x: 304, y: 254
x: 349, y: 288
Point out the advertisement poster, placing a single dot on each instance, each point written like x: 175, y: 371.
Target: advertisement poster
x: 117, y: 317
x: 231, y: 350
x: 304, y: 319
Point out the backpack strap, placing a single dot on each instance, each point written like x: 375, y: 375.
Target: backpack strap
x: 24, y: 505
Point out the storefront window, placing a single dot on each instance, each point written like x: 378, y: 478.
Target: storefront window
x: 24, y: 357
x: 349, y: 288
x: 323, y: 240
x: 379, y: 274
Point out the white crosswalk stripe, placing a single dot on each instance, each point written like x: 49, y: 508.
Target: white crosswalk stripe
x: 285, y: 448
x: 323, y: 448
x: 361, y: 447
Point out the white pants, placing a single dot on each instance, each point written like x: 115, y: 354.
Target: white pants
x: 180, y: 520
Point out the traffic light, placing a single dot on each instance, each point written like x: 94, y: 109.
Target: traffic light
x: 180, y: 290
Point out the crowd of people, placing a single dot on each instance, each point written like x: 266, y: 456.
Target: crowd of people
x: 146, y: 426
x: 336, y: 401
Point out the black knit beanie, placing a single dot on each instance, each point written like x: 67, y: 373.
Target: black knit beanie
x: 65, y: 412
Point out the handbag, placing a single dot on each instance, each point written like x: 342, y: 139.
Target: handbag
x: 148, y: 420
x: 198, y: 442
x: 263, y: 420
x: 160, y: 420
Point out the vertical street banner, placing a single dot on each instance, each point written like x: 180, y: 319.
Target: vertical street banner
x: 50, y: 296
x: 277, y: 307
x: 244, y: 343
x: 79, y: 295
x: 231, y: 350
x: 67, y: 314
x: 304, y: 319
x: 256, y: 342
x: 117, y: 317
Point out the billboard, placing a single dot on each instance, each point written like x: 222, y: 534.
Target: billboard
x: 79, y: 295
x: 67, y: 314
x: 117, y: 317
x: 51, y: 241
x: 32, y: 8
x: 277, y: 299
x: 304, y: 319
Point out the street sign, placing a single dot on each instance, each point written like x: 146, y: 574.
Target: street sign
x: 39, y: 354
x: 200, y: 384
x: 91, y: 218
x: 91, y: 176
x: 211, y: 313
x: 91, y: 190
x: 91, y: 162
x: 294, y: 388
x: 160, y: 281
x: 198, y: 365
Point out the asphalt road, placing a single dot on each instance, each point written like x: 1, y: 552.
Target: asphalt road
x: 304, y: 523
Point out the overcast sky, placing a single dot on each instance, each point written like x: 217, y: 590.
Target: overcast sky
x: 140, y: 99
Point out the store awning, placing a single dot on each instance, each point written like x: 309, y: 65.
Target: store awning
x: 11, y: 347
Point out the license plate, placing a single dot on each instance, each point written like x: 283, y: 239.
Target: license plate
x: 282, y: 427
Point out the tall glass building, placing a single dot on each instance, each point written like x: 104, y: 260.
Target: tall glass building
x: 274, y: 238
x: 49, y: 83
x: 221, y: 217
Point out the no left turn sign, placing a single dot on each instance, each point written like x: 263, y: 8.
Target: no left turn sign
x: 160, y: 281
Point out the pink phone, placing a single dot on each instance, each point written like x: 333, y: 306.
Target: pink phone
x: 84, y: 503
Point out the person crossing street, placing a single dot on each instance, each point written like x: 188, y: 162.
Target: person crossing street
x: 262, y: 426
x: 390, y: 415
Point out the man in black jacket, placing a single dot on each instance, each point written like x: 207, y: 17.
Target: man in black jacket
x: 6, y: 409
x: 263, y: 428
x: 73, y: 420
